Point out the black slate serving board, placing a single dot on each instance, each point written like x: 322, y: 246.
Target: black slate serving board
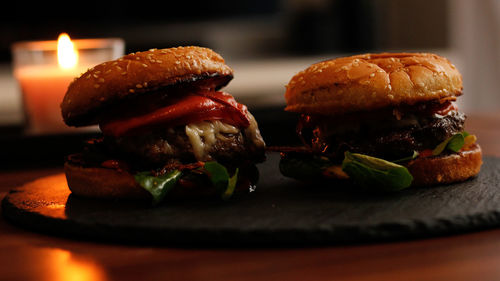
x: 281, y: 212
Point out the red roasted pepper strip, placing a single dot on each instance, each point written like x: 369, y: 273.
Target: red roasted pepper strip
x: 191, y: 108
x: 225, y: 98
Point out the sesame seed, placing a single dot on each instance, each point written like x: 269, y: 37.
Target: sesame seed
x: 158, y: 61
x: 120, y: 59
x: 97, y: 86
x: 145, y: 65
x: 137, y: 58
x: 372, y: 74
x: 88, y: 76
x: 138, y: 86
x: 188, y: 57
x: 124, y: 73
x: 101, y: 80
x: 97, y: 72
x: 131, y: 90
x: 95, y: 76
x: 145, y: 84
x: 115, y: 63
x: 177, y: 62
x: 107, y: 71
x: 151, y: 50
x: 119, y: 68
x: 390, y: 97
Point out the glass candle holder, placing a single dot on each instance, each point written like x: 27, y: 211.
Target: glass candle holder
x: 44, y: 75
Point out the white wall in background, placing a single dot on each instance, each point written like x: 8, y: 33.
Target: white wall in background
x: 475, y: 41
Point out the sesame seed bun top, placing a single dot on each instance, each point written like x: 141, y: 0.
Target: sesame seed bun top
x: 138, y: 74
x: 371, y: 81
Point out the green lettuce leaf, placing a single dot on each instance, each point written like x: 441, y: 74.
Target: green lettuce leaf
x: 375, y: 172
x: 219, y: 176
x: 231, y: 185
x: 406, y: 159
x: 158, y: 186
x: 453, y: 143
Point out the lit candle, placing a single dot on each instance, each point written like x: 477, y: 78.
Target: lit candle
x: 44, y: 74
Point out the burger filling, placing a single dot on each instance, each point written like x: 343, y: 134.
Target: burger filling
x: 372, y: 148
x: 187, y: 127
x: 201, y: 141
x: 389, y: 134
x: 198, y: 136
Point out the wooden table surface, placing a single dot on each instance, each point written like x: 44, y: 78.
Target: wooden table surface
x: 30, y: 256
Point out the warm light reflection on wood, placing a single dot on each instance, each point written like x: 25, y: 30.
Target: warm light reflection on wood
x: 64, y: 266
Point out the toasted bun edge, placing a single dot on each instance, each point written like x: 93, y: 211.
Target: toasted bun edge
x: 446, y: 169
x: 137, y: 74
x: 372, y: 81
x: 105, y: 183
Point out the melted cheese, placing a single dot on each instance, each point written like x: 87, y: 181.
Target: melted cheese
x: 203, y: 135
x: 253, y: 133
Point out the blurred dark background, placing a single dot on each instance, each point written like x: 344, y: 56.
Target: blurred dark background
x: 266, y: 42
x: 239, y: 29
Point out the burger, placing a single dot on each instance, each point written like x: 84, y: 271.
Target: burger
x: 167, y: 130
x: 385, y: 120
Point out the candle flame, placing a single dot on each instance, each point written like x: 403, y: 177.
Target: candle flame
x: 67, y: 56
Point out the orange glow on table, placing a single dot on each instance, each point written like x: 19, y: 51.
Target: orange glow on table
x: 64, y: 266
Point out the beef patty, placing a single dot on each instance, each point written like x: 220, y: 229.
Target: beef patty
x: 383, y: 136
x: 173, y: 144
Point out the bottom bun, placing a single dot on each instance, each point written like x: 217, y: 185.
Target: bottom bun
x: 109, y: 183
x: 426, y: 171
x: 106, y: 183
x: 450, y: 168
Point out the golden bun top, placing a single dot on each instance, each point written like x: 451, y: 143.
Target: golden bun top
x: 139, y: 73
x: 372, y: 81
